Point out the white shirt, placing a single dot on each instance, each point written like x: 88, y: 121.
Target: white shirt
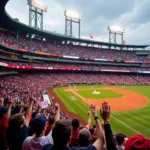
x: 120, y: 147
x: 32, y: 143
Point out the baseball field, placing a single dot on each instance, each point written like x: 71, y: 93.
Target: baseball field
x: 130, y: 105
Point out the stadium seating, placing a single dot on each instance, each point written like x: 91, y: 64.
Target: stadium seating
x: 80, y: 51
x: 78, y: 66
x: 18, y: 89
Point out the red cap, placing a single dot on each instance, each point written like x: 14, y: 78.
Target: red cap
x: 137, y: 142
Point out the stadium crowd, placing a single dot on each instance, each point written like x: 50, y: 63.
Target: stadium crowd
x: 78, y: 51
x: 25, y: 126
x: 22, y: 85
x: 77, y: 66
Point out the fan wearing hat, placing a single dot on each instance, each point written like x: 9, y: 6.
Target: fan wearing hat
x: 137, y: 142
x: 5, y: 113
x: 38, y: 126
x: 120, y: 138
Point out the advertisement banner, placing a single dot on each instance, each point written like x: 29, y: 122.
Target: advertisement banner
x: 43, y: 68
x: 46, y: 54
x: 50, y: 68
x: 140, y: 62
x: 73, y: 57
x: 147, y: 62
x: 130, y: 62
x: 3, y: 64
x: 106, y: 70
x: 101, y: 59
x: 23, y: 50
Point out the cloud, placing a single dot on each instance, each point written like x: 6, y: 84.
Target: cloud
x: 133, y: 15
x: 15, y: 12
x: 139, y: 35
x: 50, y: 22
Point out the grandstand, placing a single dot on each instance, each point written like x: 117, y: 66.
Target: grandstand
x: 30, y: 65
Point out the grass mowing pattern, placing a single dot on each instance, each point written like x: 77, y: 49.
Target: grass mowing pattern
x: 103, y: 94
x: 76, y: 106
x: 138, y: 119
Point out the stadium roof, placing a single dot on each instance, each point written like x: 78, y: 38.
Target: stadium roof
x: 14, y: 25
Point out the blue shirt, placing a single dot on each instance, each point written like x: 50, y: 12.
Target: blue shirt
x: 51, y: 147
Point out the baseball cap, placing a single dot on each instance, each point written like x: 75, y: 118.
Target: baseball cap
x: 38, y: 124
x: 137, y: 142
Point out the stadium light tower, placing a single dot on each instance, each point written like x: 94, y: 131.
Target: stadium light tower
x: 70, y: 18
x: 36, y: 9
x: 115, y: 30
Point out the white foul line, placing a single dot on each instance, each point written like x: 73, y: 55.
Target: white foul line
x: 120, y: 121
x: 125, y: 125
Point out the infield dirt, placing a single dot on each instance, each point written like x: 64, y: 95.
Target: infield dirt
x: 129, y: 101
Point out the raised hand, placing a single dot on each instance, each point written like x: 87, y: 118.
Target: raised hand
x: 46, y: 114
x: 93, y: 108
x: 1, y: 101
x: 57, y: 107
x: 11, y: 101
x: 105, y: 112
x: 89, y: 114
x: 32, y: 98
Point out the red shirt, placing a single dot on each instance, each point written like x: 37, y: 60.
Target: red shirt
x: 48, y: 129
x: 3, y: 129
x: 95, y: 133
x: 75, y: 133
x: 74, y: 138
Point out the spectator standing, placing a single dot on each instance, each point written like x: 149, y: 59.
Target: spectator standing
x: 137, y: 142
x: 85, y: 138
x: 17, y: 130
x: 76, y: 130
x: 120, y: 139
x: 49, y: 125
x: 38, y: 125
x: 5, y: 113
x: 61, y: 134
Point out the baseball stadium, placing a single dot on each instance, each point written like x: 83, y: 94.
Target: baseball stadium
x: 72, y: 72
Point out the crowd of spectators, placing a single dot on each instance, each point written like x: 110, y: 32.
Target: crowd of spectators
x: 25, y: 126
x: 77, y: 66
x: 71, y: 50
x: 23, y: 85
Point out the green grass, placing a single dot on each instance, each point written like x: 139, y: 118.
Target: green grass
x: 103, y: 94
x: 128, y: 122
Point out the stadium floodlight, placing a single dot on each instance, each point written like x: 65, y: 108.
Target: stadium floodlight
x: 36, y: 9
x: 70, y: 18
x: 37, y: 4
x: 72, y: 14
x: 116, y: 28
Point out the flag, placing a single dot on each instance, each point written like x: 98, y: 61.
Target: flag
x: 91, y: 36
x: 124, y: 43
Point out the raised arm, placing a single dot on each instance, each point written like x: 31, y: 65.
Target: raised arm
x: 105, y: 114
x: 8, y: 114
x: 100, y: 141
x: 1, y: 101
x: 29, y: 111
x: 89, y: 120
x: 57, y: 116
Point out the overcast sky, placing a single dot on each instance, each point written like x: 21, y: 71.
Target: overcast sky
x: 133, y: 15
